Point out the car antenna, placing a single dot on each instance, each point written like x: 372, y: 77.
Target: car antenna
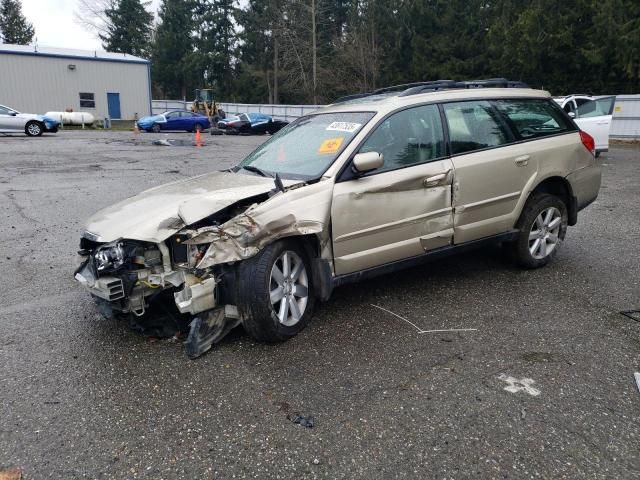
x: 278, y: 181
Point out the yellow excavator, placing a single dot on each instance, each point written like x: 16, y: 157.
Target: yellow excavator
x: 205, y: 104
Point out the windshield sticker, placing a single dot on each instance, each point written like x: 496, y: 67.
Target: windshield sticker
x: 331, y: 145
x: 344, y: 127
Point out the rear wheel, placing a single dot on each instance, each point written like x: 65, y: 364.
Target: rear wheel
x: 542, y: 228
x: 276, y: 299
x: 33, y: 128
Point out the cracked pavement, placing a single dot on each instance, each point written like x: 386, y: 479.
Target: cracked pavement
x: 86, y: 398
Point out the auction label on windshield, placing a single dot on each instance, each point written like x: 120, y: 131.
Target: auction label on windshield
x: 330, y: 145
x: 344, y: 127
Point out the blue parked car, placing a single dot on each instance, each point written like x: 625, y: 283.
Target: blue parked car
x: 174, y: 120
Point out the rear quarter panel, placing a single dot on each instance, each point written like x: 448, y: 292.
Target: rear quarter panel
x: 558, y: 156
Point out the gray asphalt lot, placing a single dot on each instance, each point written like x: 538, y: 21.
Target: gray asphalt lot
x: 83, y: 397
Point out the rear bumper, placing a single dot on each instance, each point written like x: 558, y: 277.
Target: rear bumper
x: 585, y: 185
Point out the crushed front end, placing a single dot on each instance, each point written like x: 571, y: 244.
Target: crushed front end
x: 128, y: 277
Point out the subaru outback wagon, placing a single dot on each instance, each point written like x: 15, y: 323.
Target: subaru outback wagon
x: 368, y: 185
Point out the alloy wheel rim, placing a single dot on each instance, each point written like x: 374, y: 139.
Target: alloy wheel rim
x: 34, y: 129
x: 545, y: 233
x: 289, y: 288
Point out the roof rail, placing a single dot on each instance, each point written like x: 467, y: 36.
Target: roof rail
x: 415, y: 88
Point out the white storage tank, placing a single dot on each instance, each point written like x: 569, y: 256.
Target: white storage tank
x: 72, y: 118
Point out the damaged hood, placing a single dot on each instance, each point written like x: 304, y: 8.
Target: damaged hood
x: 156, y: 214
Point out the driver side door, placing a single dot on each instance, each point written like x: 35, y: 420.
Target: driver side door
x: 9, y: 122
x: 402, y: 209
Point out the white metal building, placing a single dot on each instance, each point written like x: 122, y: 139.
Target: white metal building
x: 40, y: 79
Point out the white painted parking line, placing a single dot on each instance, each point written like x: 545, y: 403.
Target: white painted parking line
x: 419, y: 329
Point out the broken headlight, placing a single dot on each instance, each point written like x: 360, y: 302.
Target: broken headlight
x: 109, y: 257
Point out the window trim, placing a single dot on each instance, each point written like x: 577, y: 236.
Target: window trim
x: 345, y: 174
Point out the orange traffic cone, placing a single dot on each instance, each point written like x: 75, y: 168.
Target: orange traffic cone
x: 136, y: 129
x: 198, y: 138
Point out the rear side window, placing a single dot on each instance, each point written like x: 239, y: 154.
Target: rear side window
x: 473, y: 126
x: 533, y: 117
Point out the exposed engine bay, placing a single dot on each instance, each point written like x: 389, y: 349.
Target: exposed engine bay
x: 127, y: 277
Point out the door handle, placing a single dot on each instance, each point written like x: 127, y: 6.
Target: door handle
x: 522, y: 160
x: 434, y: 180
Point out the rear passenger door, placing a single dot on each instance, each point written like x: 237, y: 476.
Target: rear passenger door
x: 491, y: 170
x: 497, y: 147
x: 594, y: 117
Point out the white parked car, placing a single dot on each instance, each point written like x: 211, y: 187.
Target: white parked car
x: 33, y: 125
x: 591, y: 114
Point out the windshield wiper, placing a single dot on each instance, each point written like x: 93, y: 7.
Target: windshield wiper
x: 257, y: 170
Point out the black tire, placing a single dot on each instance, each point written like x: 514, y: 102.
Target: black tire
x: 198, y: 127
x: 34, y: 128
x: 539, y: 205
x: 255, y: 281
x: 155, y: 128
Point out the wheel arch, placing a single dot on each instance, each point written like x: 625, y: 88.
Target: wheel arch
x: 321, y: 271
x: 561, y: 188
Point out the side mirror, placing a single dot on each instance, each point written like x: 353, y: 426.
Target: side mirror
x: 13, y: 114
x: 572, y: 114
x: 365, y: 162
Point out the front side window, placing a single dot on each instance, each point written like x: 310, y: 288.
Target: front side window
x: 474, y: 125
x: 534, y: 117
x: 87, y: 100
x: 408, y: 137
x: 305, y: 148
x: 4, y: 111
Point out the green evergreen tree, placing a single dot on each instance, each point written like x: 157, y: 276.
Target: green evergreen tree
x: 129, y: 28
x: 215, y: 39
x: 14, y: 28
x: 173, y: 57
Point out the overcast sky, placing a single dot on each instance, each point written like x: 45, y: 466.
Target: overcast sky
x: 55, y: 25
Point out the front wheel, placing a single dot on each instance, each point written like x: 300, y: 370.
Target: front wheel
x: 33, y: 129
x: 542, y: 228
x: 276, y: 296
x: 155, y: 128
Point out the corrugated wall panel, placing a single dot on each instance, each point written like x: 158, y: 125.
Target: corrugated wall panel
x: 626, y: 117
x: 38, y: 84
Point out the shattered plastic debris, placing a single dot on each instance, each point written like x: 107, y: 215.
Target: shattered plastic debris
x: 637, y: 377
x: 162, y: 143
x: 301, y: 420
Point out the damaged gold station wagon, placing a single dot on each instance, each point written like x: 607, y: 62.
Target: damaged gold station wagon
x: 365, y: 186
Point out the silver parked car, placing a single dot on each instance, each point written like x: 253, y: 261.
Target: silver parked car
x: 33, y: 125
x: 366, y: 186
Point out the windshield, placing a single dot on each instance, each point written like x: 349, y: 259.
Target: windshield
x: 305, y: 148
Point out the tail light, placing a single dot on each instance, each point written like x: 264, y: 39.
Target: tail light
x: 588, y: 142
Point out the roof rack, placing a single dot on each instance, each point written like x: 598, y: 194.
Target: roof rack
x: 415, y: 88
